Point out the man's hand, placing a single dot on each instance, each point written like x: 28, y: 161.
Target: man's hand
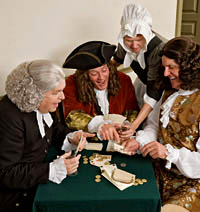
x: 77, y: 137
x: 155, y: 150
x: 131, y: 145
x: 126, y: 131
x: 109, y: 132
x: 71, y: 164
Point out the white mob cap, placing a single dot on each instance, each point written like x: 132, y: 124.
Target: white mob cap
x: 136, y: 20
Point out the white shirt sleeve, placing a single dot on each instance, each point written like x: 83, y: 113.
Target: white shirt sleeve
x: 186, y: 161
x: 149, y: 133
x: 67, y: 146
x: 96, y: 124
x: 150, y: 101
x: 57, y: 171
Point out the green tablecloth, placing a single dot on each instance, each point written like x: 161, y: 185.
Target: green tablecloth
x: 82, y: 194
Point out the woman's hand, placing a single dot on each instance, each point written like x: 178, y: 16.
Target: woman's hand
x: 155, y: 150
x: 109, y: 132
x: 131, y: 145
x: 71, y: 164
x: 77, y: 138
x: 126, y: 131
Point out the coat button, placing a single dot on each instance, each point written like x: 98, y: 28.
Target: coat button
x: 45, y: 151
x: 17, y: 204
x: 48, y: 140
x: 24, y: 194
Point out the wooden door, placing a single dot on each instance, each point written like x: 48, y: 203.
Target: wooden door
x: 191, y: 19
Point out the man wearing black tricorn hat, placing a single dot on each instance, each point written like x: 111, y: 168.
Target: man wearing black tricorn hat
x: 97, y: 89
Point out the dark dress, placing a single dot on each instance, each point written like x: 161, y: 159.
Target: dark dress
x: 150, y: 74
x: 22, y: 155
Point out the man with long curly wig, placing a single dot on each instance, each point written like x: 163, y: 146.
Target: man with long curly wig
x: 173, y: 137
x: 97, y: 89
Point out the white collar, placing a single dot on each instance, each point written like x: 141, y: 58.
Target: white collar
x: 166, y: 106
x: 46, y: 117
x: 130, y: 56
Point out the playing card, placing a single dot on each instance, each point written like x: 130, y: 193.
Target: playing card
x: 107, y: 172
x: 94, y: 146
x: 100, y: 160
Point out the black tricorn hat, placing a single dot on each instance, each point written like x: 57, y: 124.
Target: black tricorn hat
x: 90, y: 55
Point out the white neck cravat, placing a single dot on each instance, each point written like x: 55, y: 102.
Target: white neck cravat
x: 47, y: 119
x: 102, y: 98
x: 166, y: 106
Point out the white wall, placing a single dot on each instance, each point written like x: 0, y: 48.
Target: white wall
x: 50, y: 29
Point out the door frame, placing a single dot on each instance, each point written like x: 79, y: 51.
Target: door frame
x: 179, y: 11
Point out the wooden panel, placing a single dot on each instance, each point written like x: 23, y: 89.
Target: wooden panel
x: 191, y: 19
x: 190, y: 5
x: 188, y: 28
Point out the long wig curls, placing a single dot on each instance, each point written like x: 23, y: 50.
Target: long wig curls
x: 86, y: 93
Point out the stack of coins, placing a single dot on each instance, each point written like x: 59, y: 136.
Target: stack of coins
x: 98, y: 178
x: 85, y: 159
x: 139, y: 181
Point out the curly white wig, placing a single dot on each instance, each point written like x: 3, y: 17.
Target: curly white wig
x: 27, y: 84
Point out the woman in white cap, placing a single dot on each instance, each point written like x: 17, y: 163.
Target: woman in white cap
x: 139, y: 48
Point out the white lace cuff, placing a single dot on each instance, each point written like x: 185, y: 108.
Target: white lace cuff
x: 172, y: 155
x: 94, y: 123
x: 67, y: 146
x: 142, y: 138
x: 57, y: 171
x: 150, y: 101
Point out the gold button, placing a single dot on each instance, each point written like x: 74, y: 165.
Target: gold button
x: 17, y: 204
x: 24, y: 194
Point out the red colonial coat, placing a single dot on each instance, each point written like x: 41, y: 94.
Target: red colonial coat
x: 119, y: 104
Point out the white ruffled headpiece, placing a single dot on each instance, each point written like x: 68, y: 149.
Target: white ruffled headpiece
x: 135, y: 20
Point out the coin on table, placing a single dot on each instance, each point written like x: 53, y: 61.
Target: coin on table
x: 107, y: 163
x: 98, y: 176
x: 123, y: 164
x: 84, y: 156
x: 85, y: 159
x: 137, y: 180
x: 144, y: 180
x: 98, y: 180
x: 91, y: 157
x: 85, y: 162
x: 135, y: 184
x: 140, y: 182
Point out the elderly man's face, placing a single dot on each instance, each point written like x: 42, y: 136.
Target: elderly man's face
x: 52, y: 99
x: 171, y: 71
x: 135, y: 44
x: 99, y: 77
